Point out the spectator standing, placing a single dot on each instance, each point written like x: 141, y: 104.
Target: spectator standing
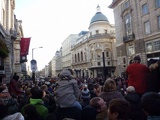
x: 137, y: 75
x: 96, y: 106
x: 151, y: 105
x: 118, y: 110
x: 110, y: 91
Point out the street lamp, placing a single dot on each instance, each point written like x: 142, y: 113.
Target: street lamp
x: 34, y: 49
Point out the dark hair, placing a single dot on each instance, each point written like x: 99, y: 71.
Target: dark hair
x: 90, y: 86
x: 36, y: 94
x: 121, y: 107
x: 150, y: 102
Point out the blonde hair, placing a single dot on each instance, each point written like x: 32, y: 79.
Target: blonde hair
x: 109, y: 85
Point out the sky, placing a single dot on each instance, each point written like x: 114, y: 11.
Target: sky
x: 50, y: 22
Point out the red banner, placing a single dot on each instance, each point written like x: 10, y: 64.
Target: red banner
x: 25, y: 42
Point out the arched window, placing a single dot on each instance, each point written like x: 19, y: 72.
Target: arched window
x: 78, y: 57
x: 75, y: 57
x: 81, y: 56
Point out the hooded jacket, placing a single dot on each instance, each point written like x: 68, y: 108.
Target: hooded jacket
x: 41, y: 109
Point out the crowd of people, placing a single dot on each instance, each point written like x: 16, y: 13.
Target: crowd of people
x: 135, y: 97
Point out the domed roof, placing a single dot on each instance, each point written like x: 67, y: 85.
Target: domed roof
x: 99, y: 16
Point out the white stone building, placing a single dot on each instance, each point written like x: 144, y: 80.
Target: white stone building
x: 94, y: 54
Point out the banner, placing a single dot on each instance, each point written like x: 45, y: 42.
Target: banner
x: 25, y: 42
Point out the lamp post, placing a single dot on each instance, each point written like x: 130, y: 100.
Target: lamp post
x: 34, y: 49
x: 33, y: 72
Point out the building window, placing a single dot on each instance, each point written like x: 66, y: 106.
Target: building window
x: 149, y: 47
x: 144, y: 9
x: 90, y: 33
x: 131, y: 50
x: 109, y: 63
x: 157, y: 3
x: 126, y: 5
x: 81, y: 56
x: 99, y: 63
x: 128, y: 25
x: 97, y: 31
x: 147, y: 28
x: 98, y: 55
x: 78, y: 58
x: 156, y: 45
x: 159, y: 22
x: 75, y: 58
x: 105, y: 31
x: 107, y: 54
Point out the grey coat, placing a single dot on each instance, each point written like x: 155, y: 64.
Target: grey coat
x: 67, y: 92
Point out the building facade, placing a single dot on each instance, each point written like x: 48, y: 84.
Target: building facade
x: 7, y: 37
x: 66, y: 50
x: 137, y: 24
x: 94, y: 54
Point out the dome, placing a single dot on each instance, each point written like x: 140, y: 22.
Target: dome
x: 99, y: 16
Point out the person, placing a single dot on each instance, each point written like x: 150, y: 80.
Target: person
x: 36, y: 100
x: 134, y: 100
x: 14, y: 89
x: 150, y: 103
x: 85, y: 96
x: 67, y: 92
x: 31, y: 113
x: 110, y: 91
x: 96, y: 106
x: 154, y: 81
x: 118, y: 110
x: 137, y: 75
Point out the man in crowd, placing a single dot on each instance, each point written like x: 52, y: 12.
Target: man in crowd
x: 96, y: 106
x: 137, y: 75
x: 151, y: 105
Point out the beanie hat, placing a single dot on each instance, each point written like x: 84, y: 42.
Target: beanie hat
x: 65, y: 73
x: 137, y: 58
x: 85, y: 94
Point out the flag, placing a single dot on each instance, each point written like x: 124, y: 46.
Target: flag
x: 24, y: 45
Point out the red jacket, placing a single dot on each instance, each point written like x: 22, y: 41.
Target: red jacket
x: 137, y: 77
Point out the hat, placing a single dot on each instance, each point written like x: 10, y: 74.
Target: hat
x: 137, y: 58
x: 130, y: 89
x: 65, y: 73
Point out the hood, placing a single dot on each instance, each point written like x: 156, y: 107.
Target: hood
x: 16, y: 116
x: 35, y: 101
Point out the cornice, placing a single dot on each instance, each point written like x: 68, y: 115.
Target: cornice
x: 114, y: 3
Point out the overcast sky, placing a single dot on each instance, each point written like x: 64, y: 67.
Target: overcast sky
x: 50, y: 22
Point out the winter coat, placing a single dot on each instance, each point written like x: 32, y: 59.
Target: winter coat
x: 41, y: 109
x: 16, y: 116
x: 67, y: 92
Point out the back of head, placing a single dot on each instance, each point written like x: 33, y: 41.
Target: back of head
x: 137, y: 59
x: 109, y: 85
x: 65, y: 74
x: 36, y: 94
x: 130, y: 89
x: 151, y: 103
x: 121, y: 107
x: 94, y: 102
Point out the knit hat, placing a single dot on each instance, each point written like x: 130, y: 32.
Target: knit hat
x: 137, y: 58
x: 85, y: 94
x: 65, y: 73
